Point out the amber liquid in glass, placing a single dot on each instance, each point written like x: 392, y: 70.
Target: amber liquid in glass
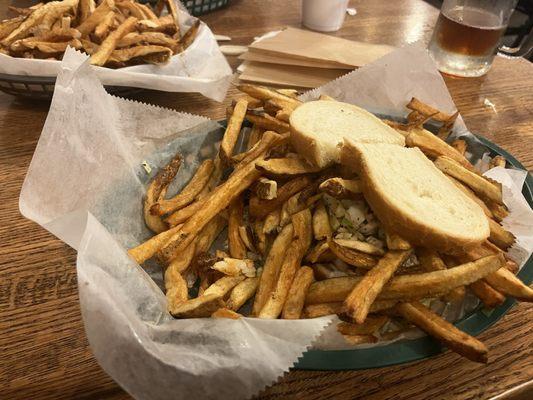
x: 465, y: 40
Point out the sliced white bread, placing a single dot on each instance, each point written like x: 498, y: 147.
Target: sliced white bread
x: 319, y: 127
x: 414, y: 199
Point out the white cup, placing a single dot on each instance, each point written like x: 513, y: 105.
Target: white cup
x: 324, y: 15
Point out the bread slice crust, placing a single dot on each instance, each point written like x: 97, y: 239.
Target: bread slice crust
x: 396, y: 220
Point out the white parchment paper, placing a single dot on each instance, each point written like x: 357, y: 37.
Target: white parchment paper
x: 85, y: 185
x: 200, y: 68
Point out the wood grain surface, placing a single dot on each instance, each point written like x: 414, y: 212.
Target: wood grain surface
x: 44, y: 353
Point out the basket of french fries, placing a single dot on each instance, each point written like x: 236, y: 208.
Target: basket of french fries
x: 211, y: 253
x: 125, y: 39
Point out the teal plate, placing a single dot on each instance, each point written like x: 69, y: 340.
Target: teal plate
x: 418, y: 349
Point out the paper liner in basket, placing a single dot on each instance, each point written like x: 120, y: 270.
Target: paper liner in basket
x: 201, y: 68
x: 85, y: 185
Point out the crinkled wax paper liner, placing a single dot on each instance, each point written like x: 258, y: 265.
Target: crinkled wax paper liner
x: 85, y: 185
x: 200, y: 68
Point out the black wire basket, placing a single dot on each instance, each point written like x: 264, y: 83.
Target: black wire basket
x: 42, y: 87
x: 199, y: 7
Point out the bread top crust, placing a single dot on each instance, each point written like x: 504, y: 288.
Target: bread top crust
x: 318, y: 129
x: 419, y: 203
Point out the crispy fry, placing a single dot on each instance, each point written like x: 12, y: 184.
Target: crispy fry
x: 130, y: 7
x: 171, y: 7
x: 219, y: 199
x: 189, y: 36
x: 322, y: 309
x: 499, y: 236
x: 261, y: 208
x: 370, y: 326
x: 110, y: 42
x: 86, y: 8
x: 272, y: 221
x: 9, y: 25
x: 210, y: 233
x: 477, y: 183
x: 264, y: 93
x: 268, y: 140
x: 201, y: 306
x: 497, y: 161
x: 225, y: 313
x: 447, y: 126
x: 511, y: 265
x: 321, y: 226
x: 45, y: 47
x: 286, y: 167
x: 295, y: 204
x: 266, y: 189
x: 234, y: 266
x: 176, y: 288
x: 418, y: 286
x: 102, y: 29
x: 358, y: 245
x: 320, y: 253
x: 352, y: 257
x: 265, y: 121
x: 183, y: 214
x: 489, y: 296
x: 88, y: 25
x: 460, y: 146
x: 504, y: 281
x: 294, y: 304
x: 395, y: 242
x: 157, y: 38
x: 147, y: 11
x: 284, y: 114
x: 233, y: 129
x: 341, y: 188
x: 443, y: 331
x: 149, y: 53
x: 434, y: 147
x: 57, y: 35
x: 422, y: 108
x: 188, y: 193
x: 157, y: 191
x: 272, y: 267
x: 326, y: 97
x: 499, y: 211
x: 302, y: 223
x: 255, y: 135
x: 259, y: 236
x: 367, y: 290
x: 237, y: 249
x: 148, y: 249
x: 430, y: 261
x: 242, y: 293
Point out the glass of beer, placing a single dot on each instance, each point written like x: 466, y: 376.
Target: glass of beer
x: 467, y: 35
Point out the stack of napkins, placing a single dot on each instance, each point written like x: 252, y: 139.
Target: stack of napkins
x: 305, y: 59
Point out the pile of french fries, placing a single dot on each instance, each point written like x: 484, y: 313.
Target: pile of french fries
x: 303, y: 243
x: 115, y: 33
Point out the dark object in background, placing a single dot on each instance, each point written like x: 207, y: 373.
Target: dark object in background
x: 198, y: 7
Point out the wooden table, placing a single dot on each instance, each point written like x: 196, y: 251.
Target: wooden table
x: 44, y: 352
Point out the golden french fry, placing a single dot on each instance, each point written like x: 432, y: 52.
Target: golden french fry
x: 208, y: 235
x: 271, y: 268
x: 110, y: 42
x: 242, y: 293
x: 225, y: 313
x: 182, y: 262
x: 255, y: 135
x: 422, y: 108
x: 188, y: 193
x: 320, y: 253
x: 341, y: 188
x: 286, y: 166
x: 88, y: 46
x: 268, y: 140
x: 172, y: 10
x: 294, y: 304
x: 352, y: 257
x: 272, y: 221
x: 326, y: 97
x: 489, y: 296
x: 266, y: 189
x: 321, y: 226
x: 499, y: 211
x: 234, y: 267
x: 189, y: 36
x: 157, y: 191
x: 367, y: 290
x: 447, y: 126
x: 102, y: 29
x: 477, y: 183
x: 224, y: 285
x: 176, y: 288
x: 434, y: 147
x: 261, y: 208
x: 233, y: 129
x: 511, y: 265
x: 264, y: 93
x: 443, y: 331
x: 45, y: 47
x: 497, y: 161
x: 265, y: 121
x: 430, y: 261
x: 396, y: 242
x: 500, y: 236
x: 57, y: 35
x: 86, y: 8
x: 9, y: 25
x: 507, y: 283
x: 259, y: 236
x: 417, y: 286
x: 131, y: 8
x: 358, y: 245
x: 370, y: 326
x: 218, y: 200
x: 148, y: 249
x: 460, y: 146
x: 288, y: 92
x: 147, y: 11
x: 88, y: 25
x: 150, y: 53
x: 183, y: 214
x: 157, y: 38
x: 284, y: 114
x: 199, y: 307
x: 321, y: 309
